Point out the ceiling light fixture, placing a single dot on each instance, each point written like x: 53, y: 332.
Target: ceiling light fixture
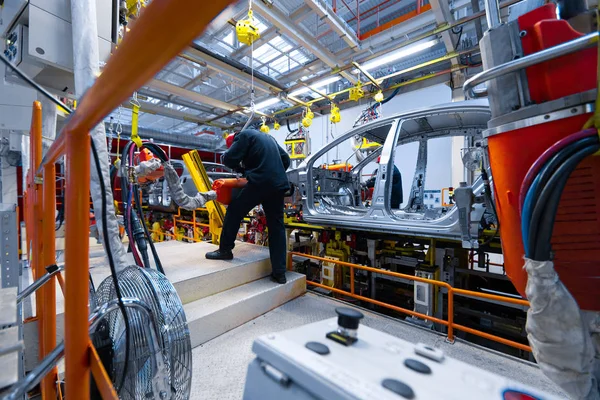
x: 267, y: 103
x: 316, y: 85
x: 402, y: 53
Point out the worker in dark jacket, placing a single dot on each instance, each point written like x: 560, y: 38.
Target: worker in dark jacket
x: 397, y: 194
x: 263, y: 162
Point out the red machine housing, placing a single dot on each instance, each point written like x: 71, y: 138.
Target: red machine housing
x: 225, y: 188
x: 576, y: 236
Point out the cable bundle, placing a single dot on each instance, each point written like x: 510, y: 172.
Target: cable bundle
x: 136, y: 228
x: 542, y: 188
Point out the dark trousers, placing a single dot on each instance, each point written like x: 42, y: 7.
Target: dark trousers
x: 272, y: 202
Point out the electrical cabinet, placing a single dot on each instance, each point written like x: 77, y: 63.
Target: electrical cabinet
x: 39, y: 41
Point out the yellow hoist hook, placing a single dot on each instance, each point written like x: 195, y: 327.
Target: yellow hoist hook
x: 246, y: 29
x: 335, y: 114
x: 135, y: 111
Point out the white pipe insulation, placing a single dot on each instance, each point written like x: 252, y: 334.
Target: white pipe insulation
x: 565, y: 340
x: 86, y: 68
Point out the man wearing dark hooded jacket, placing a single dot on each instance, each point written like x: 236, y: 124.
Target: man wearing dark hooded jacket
x: 263, y: 163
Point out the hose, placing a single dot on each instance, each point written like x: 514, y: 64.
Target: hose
x: 287, y: 121
x: 544, y: 213
x: 542, y: 197
x: 540, y: 180
x: 138, y: 205
x: 546, y: 155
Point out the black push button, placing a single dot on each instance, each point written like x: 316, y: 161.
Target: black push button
x: 400, y: 388
x: 417, y: 366
x: 318, y: 348
x: 348, y: 318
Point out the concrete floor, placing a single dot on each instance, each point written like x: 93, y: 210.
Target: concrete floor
x: 219, y: 366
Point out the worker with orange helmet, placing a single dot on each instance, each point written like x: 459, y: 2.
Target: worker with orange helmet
x: 263, y: 162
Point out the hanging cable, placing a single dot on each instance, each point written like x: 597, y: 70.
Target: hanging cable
x: 287, y: 121
x: 543, y: 195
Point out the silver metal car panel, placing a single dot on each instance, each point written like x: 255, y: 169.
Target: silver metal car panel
x: 456, y: 119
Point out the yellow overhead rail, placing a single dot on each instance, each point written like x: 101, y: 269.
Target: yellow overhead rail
x: 216, y: 211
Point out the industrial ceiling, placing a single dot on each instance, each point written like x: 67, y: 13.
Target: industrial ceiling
x: 306, y: 50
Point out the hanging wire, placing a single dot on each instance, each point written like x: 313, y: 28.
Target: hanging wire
x: 252, y: 76
x: 110, y: 139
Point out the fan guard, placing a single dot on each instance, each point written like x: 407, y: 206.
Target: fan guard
x: 144, y: 375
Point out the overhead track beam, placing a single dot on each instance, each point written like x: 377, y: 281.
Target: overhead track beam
x: 190, y: 95
x: 179, y: 102
x: 233, y: 69
x: 367, y: 74
x: 337, y: 24
x: 442, y: 14
x: 296, y: 33
x: 150, y: 108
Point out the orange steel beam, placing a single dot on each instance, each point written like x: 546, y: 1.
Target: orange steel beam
x: 56, y: 150
x: 394, y: 22
x: 61, y: 282
x: 77, y: 360
x: 48, y: 291
x: 35, y: 228
x: 103, y: 382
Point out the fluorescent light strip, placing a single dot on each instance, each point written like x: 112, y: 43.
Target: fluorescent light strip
x: 267, y: 103
x: 316, y: 85
x: 378, y: 62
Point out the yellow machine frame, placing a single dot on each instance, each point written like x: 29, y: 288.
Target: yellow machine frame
x: 216, y: 210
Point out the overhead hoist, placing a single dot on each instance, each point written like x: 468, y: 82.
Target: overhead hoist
x: 307, y: 117
x: 246, y: 29
x: 247, y: 33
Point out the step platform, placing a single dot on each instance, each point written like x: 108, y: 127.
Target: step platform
x: 217, y: 295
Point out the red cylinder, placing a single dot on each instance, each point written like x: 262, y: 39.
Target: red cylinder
x: 576, y: 235
x: 511, y: 155
x: 225, y: 188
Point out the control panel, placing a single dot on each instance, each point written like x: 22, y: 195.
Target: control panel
x: 337, y: 359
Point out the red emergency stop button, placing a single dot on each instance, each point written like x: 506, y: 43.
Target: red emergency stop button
x: 516, y: 395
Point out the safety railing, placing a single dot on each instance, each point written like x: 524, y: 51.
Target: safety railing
x: 177, y: 219
x: 451, y: 292
x: 145, y: 50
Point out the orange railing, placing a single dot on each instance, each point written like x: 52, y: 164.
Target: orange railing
x: 451, y: 291
x: 177, y: 219
x: 163, y: 30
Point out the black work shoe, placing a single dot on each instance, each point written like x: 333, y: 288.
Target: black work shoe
x: 278, y: 278
x: 220, y: 255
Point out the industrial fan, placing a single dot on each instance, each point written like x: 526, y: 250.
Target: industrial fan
x: 158, y: 366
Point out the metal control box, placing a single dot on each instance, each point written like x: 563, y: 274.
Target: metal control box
x: 304, y: 364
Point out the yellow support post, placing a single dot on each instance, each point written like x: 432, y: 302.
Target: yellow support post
x: 216, y: 211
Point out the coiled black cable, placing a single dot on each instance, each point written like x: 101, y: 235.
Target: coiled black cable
x: 545, y: 174
x: 161, y: 155
x: 138, y: 206
x: 547, y: 204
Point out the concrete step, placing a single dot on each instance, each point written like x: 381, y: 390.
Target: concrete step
x: 212, y: 316
x: 185, y: 265
x: 195, y: 277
